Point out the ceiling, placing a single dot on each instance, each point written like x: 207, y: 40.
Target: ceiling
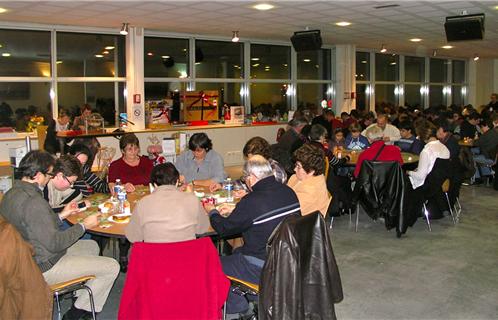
x: 392, y: 26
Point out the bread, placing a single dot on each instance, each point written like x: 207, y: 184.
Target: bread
x: 121, y: 218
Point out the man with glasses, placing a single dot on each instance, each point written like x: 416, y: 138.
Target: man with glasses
x: 58, y: 253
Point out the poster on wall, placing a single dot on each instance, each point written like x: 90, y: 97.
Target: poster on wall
x: 201, y: 105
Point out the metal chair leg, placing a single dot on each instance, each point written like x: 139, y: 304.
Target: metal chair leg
x: 59, y: 316
x: 92, y: 303
x: 350, y: 217
x: 224, y: 311
x: 459, y: 209
x: 331, y: 222
x: 449, y: 207
x: 426, y: 213
x: 357, y: 217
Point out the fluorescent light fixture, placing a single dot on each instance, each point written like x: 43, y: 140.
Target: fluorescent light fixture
x: 58, y: 62
x: 109, y: 47
x: 383, y: 48
x: 3, y: 10
x: 343, y: 23
x: 363, y: 61
x: 476, y: 57
x: 415, y: 39
x: 447, y: 47
x: 165, y: 57
x: 5, y: 54
x: 235, y: 36
x: 392, y: 63
x: 255, y: 65
x: 124, y: 29
x: 99, y: 56
x: 254, y: 59
x: 105, y: 52
x: 263, y: 6
x: 434, y: 52
x: 150, y: 54
x: 306, y: 60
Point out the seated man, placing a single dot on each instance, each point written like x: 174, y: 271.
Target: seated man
x: 59, y: 254
x: 389, y: 132
x: 488, y: 146
x: 255, y: 217
x: 408, y: 142
x: 290, y: 141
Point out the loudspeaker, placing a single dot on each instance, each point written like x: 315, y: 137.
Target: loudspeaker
x: 468, y: 27
x: 306, y: 40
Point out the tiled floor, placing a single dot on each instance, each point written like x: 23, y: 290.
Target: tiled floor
x: 450, y: 273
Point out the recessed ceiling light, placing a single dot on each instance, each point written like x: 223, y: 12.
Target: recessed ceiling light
x: 197, y: 63
x: 3, y: 10
x: 364, y: 61
x: 58, y: 62
x: 165, y: 57
x: 109, y: 47
x: 99, y: 56
x: 150, y: 54
x: 306, y: 60
x: 343, y: 23
x: 393, y: 63
x: 285, y: 64
x: 415, y: 39
x: 5, y: 54
x: 256, y: 65
x: 105, y: 52
x: 447, y: 47
x: 263, y: 6
x: 255, y: 59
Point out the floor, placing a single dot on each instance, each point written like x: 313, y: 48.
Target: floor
x: 449, y: 273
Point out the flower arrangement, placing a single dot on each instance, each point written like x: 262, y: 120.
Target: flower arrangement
x: 34, y: 122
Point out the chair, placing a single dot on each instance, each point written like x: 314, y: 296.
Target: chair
x: 379, y: 190
x: 104, y: 158
x: 445, y: 187
x: 181, y: 280
x: 290, y: 288
x: 71, y: 286
x: 41, y: 132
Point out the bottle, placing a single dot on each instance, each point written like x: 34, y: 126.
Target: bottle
x: 228, y: 186
x: 124, y: 205
x: 117, y: 187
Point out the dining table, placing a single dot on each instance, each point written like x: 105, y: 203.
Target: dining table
x: 408, y: 158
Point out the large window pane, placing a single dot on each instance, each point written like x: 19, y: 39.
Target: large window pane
x: 414, y: 69
x: 269, y: 97
x: 457, y: 95
x: 314, y: 65
x: 310, y: 95
x: 458, y: 71
x: 25, y: 53
x: 22, y: 100
x: 166, y: 57
x: 99, y: 95
x: 413, y: 96
x: 386, y: 67
x: 438, y: 70
x: 219, y: 59
x: 362, y: 66
x: 384, y: 94
x: 270, y: 62
x: 362, y: 97
x: 90, y: 55
x: 436, y: 96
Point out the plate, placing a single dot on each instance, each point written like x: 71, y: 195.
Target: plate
x: 111, y: 218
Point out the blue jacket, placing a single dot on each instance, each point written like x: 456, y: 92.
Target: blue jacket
x: 411, y: 145
x: 359, y: 143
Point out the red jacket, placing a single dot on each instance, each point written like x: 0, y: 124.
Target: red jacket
x: 389, y: 153
x: 180, y: 280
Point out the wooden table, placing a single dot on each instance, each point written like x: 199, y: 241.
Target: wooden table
x: 467, y: 143
x: 90, y: 134
x: 408, y: 158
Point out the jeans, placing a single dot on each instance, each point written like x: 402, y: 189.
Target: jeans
x: 483, y: 166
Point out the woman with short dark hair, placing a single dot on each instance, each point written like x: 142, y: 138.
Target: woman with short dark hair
x: 200, y: 165
x: 184, y: 218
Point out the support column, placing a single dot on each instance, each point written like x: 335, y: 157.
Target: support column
x: 135, y: 78
x: 345, y: 78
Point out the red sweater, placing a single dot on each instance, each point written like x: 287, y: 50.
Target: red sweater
x: 136, y: 175
x: 389, y: 153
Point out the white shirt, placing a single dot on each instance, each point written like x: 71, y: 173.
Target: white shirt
x: 389, y: 131
x: 432, y: 151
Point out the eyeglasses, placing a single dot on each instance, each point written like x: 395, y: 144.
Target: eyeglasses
x: 69, y: 182
x: 50, y: 174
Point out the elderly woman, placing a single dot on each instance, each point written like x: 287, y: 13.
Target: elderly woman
x: 200, y: 165
x: 309, y: 182
x: 132, y: 169
x: 184, y: 218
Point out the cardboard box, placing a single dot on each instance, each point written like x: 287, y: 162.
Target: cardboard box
x: 201, y: 105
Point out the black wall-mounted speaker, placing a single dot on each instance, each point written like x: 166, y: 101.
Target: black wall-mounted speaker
x: 467, y: 27
x: 306, y: 40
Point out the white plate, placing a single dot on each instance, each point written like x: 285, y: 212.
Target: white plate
x: 111, y: 218
x: 199, y: 194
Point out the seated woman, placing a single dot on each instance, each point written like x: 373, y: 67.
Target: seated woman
x: 259, y: 146
x: 318, y: 138
x: 90, y: 183
x: 132, y: 169
x: 200, y: 165
x: 309, y: 182
x: 52, y: 143
x: 184, y: 218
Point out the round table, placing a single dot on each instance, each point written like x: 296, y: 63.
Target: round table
x: 466, y: 143
x: 408, y: 158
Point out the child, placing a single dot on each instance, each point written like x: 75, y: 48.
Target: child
x: 355, y: 141
x: 338, y: 141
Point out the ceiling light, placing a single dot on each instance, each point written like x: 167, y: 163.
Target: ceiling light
x: 383, y: 48
x: 434, y: 52
x: 255, y: 59
x: 58, y: 62
x: 364, y: 61
x: 99, y: 56
x: 235, y: 36
x: 3, y: 10
x: 495, y: 7
x: 150, y: 54
x: 447, y: 47
x: 109, y: 47
x: 263, y: 6
x: 5, y: 54
x: 165, y: 57
x: 285, y: 64
x: 124, y: 29
x: 256, y: 65
x: 476, y: 57
x: 343, y: 23
x: 105, y: 52
x: 306, y: 60
x: 415, y: 39
x: 392, y: 63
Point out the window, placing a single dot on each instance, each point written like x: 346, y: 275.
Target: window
x: 314, y: 65
x: 310, y: 95
x: 458, y: 71
x: 413, y: 96
x: 270, y: 62
x: 269, y: 97
x: 362, y: 97
x: 414, y: 69
x: 219, y: 59
x: 386, y: 67
x: 384, y: 94
x: 24, y: 53
x: 362, y: 66
x: 90, y: 55
x: 436, y: 96
x: 457, y: 95
x: 166, y: 57
x: 438, y: 70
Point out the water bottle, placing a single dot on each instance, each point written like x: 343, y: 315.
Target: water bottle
x: 228, y: 185
x: 123, y: 207
x: 117, y: 187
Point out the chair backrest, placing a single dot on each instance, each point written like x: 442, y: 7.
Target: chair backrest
x: 434, y: 181
x: 300, y: 263
x: 104, y: 158
x: 181, y: 280
x: 41, y: 132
